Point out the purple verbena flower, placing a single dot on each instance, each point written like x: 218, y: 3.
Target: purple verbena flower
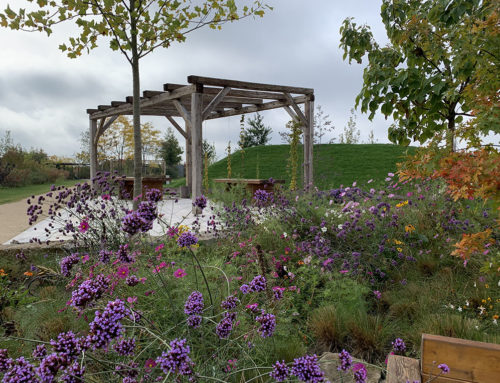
x: 67, y: 344
x: 177, y: 359
x: 258, y: 284
x: 125, y: 346
x: 20, y: 371
x: 132, y: 280
x: 154, y: 195
x: 67, y: 264
x: 50, y: 366
x: 225, y: 326
x: 73, y: 374
x: 345, y: 361
x: 5, y: 361
x: 200, y: 202
x: 187, y: 239
x: 245, y: 289
x: 106, y: 325
x: 398, y: 345
x: 359, y: 373
x: 230, y: 303
x: 444, y: 368
x: 267, y: 324
x: 280, y: 371
x: 124, y: 255
x: 306, y: 369
x: 89, y: 290
x: 39, y: 352
x: 194, y: 321
x: 194, y: 304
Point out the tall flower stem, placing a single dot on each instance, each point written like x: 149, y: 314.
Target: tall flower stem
x: 204, y: 278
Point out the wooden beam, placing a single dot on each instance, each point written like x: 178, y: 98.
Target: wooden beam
x: 215, y: 101
x: 177, y: 126
x: 151, y: 93
x: 295, y: 107
x: 247, y: 85
x: 256, y: 108
x: 233, y: 92
x: 118, y: 103
x: 93, y: 149
x: 243, y: 100
x: 196, y: 146
x: 291, y: 113
x: 182, y: 111
x: 308, y: 144
x: 164, y: 96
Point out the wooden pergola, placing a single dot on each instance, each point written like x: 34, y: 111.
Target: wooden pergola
x: 204, y: 99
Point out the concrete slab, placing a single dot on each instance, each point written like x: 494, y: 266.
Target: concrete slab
x: 171, y: 213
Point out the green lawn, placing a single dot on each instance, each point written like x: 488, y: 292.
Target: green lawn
x: 334, y: 164
x: 16, y: 194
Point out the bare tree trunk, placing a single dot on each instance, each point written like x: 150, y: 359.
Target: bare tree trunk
x: 137, y: 112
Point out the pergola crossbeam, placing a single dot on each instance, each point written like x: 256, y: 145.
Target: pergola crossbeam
x: 215, y: 101
x: 182, y: 111
x: 247, y: 85
x: 177, y: 126
x: 295, y: 107
x: 256, y: 108
x: 233, y: 92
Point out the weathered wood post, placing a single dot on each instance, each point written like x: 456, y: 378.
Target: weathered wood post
x: 196, y: 143
x: 189, y: 161
x: 308, y: 142
x: 93, y: 148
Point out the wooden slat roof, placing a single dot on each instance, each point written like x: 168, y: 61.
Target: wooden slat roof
x: 242, y: 97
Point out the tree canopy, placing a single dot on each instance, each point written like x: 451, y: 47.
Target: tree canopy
x: 256, y: 133
x: 440, y: 66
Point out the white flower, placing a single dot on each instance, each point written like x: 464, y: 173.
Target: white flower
x: 285, y: 235
x: 495, y: 322
x: 481, y: 310
x: 323, y: 229
x: 340, y: 226
x: 477, y: 327
x: 459, y: 309
x: 467, y: 303
x: 326, y: 214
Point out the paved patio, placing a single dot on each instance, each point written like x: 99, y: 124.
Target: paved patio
x: 171, y: 212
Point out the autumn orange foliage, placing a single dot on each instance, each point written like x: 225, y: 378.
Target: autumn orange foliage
x: 473, y: 244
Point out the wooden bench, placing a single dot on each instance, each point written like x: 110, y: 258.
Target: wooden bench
x: 469, y: 362
x: 252, y: 184
x: 127, y: 188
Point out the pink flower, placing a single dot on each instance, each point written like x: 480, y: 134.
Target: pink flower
x: 84, y: 226
x: 179, y: 273
x: 149, y: 365
x: 131, y: 300
x: 85, y: 258
x: 343, y: 271
x: 159, y: 267
x: 106, y: 197
x: 159, y: 247
x: 122, y: 272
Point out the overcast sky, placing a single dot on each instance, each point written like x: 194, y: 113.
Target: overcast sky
x: 44, y: 94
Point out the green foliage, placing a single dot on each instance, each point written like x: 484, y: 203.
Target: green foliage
x: 421, y: 77
x: 171, y: 151
x: 19, y: 167
x: 256, y: 133
x: 209, y: 152
x: 351, y: 132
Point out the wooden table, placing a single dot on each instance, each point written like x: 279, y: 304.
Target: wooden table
x: 127, y: 189
x: 252, y: 184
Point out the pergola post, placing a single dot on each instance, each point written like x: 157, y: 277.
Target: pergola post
x: 308, y: 142
x: 93, y: 148
x: 196, y: 144
x: 189, y: 160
